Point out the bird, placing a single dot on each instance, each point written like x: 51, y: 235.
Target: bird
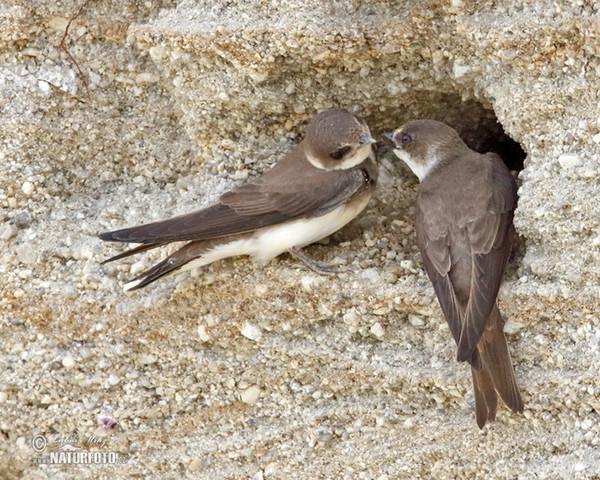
x: 319, y: 186
x: 464, y: 226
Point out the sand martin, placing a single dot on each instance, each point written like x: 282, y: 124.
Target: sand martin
x: 313, y: 191
x: 464, y: 224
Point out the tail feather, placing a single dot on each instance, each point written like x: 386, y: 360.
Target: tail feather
x: 486, y: 399
x: 200, y: 252
x: 152, y: 274
x: 171, y: 264
x: 497, y: 375
x: 133, y: 251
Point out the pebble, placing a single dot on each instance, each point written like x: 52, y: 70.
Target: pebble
x: 58, y: 24
x: 513, y: 326
x: 106, y: 422
x: 241, y: 174
x: 44, y: 88
x: 407, y: 264
x: 203, y: 334
x: 261, y: 289
x: 27, y: 188
x: 251, y: 332
x: 7, y: 231
x: 377, y: 330
x: 311, y: 283
x: 30, y: 52
x: 26, y: 253
x: 195, y: 465
x: 251, y: 395
x: 157, y: 52
x: 22, y: 219
x: 95, y: 79
x: 68, y: 362
x: 569, y: 160
x: 415, y: 320
x: 146, y: 78
x: 147, y: 359
x: 351, y: 317
x: 113, y: 379
x: 461, y: 70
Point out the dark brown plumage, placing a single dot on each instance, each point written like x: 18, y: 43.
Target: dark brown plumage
x: 310, y: 182
x: 464, y: 226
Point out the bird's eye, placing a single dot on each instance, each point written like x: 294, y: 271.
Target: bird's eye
x: 406, y: 138
x: 340, y: 152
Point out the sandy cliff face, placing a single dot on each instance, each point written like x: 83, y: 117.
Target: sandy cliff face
x: 273, y: 372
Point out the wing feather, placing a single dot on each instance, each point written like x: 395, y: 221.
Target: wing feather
x: 282, y: 194
x: 488, y: 232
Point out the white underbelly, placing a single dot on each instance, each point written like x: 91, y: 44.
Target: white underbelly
x: 269, y: 242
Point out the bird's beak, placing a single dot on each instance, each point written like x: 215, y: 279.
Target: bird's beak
x: 366, y: 138
x: 389, y: 136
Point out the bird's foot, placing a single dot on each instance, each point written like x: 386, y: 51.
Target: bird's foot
x: 314, y: 265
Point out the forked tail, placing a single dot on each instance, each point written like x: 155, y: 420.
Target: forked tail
x: 496, y: 377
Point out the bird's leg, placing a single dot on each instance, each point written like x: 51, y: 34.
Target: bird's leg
x: 314, y: 265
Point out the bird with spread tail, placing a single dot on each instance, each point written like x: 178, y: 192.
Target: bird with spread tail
x: 464, y: 226
x: 313, y: 191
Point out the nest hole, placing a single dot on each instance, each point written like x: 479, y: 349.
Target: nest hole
x: 476, y: 123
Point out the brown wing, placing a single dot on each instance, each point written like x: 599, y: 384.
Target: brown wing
x: 435, y: 252
x: 295, y: 188
x: 292, y: 189
x: 216, y: 221
x: 487, y: 235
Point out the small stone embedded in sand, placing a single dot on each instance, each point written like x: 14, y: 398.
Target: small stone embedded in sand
x: 147, y: 359
x: 27, y: 188
x: 146, y: 78
x: 106, y: 422
x: 311, y: 283
x: 44, y: 87
x: 415, y: 320
x: 569, y: 160
x: 7, y: 231
x: 27, y: 254
x: 68, y: 362
x: 241, y: 174
x: 407, y: 265
x: 377, y: 330
x: 251, y: 394
x: 351, y: 317
x: 195, y: 465
x: 203, y: 334
x: 252, y: 332
x: 22, y: 219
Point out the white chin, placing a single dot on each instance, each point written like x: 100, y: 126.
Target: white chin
x: 401, y: 154
x: 419, y: 169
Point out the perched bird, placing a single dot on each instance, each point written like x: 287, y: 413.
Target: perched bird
x: 314, y: 190
x: 464, y: 224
